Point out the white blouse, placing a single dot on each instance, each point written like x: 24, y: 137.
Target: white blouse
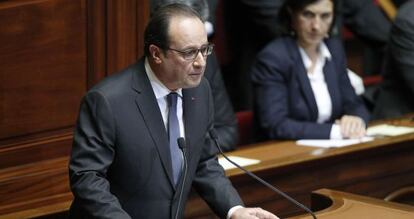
x: 319, y: 86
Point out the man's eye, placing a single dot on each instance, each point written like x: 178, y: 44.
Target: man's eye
x: 204, y: 49
x: 190, y: 52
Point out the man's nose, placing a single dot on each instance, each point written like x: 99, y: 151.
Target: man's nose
x: 200, y: 60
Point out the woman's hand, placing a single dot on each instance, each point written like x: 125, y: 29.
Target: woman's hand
x: 352, y: 126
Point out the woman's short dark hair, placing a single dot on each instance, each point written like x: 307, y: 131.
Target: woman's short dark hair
x: 157, y: 28
x: 292, y: 6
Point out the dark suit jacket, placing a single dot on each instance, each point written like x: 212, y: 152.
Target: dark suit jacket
x: 285, y: 104
x: 397, y: 90
x: 225, y: 122
x: 120, y: 166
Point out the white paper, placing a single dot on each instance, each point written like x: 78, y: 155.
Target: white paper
x: 329, y: 143
x: 242, y: 161
x: 389, y: 130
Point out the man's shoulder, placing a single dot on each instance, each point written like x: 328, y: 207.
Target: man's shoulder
x: 119, y: 82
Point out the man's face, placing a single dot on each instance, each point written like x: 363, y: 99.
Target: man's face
x: 313, y: 22
x: 176, y: 70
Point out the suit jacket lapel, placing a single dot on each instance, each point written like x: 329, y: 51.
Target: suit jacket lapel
x: 148, y: 106
x: 299, y: 69
x: 331, y: 77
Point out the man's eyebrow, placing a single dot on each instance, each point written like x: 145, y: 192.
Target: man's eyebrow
x: 195, y: 47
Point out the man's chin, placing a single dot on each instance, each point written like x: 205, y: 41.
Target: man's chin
x: 192, y: 83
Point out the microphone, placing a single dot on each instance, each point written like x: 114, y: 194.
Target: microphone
x: 181, y: 143
x: 182, y: 146
x: 215, y: 138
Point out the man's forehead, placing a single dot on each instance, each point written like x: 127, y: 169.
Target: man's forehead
x: 187, y: 30
x: 182, y: 20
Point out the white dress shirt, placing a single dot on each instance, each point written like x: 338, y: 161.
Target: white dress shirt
x: 161, y: 92
x: 320, y: 88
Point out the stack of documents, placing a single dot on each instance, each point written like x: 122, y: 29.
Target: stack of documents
x: 379, y: 130
x: 389, y: 130
x: 332, y: 143
x: 242, y: 161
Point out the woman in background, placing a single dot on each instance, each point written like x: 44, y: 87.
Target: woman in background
x: 301, y: 85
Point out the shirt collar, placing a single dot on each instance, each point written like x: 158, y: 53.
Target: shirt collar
x: 160, y: 90
x: 323, y: 54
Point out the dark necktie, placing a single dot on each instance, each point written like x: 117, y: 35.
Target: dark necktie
x: 173, y: 135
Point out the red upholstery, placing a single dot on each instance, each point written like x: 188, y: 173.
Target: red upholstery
x: 245, y: 123
x: 372, y: 80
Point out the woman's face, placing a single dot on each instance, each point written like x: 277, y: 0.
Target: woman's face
x: 313, y: 22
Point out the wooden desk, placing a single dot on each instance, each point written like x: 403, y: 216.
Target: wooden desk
x: 373, y: 169
x: 331, y: 204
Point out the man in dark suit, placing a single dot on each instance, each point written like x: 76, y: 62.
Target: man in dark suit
x: 125, y: 161
x: 397, y: 90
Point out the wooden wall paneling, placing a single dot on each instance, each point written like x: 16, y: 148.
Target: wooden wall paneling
x: 43, y: 72
x: 142, y: 20
x: 34, y: 150
x: 97, y: 40
x: 122, y: 34
x: 52, y: 51
x: 35, y: 185
x: 115, y: 35
x: 43, y: 65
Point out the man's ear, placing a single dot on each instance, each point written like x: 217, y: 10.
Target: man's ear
x: 155, y: 53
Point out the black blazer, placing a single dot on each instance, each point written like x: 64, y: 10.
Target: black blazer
x: 285, y: 105
x: 225, y: 122
x: 397, y: 89
x: 120, y: 166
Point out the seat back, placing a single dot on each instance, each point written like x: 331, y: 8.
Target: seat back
x: 245, y: 127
